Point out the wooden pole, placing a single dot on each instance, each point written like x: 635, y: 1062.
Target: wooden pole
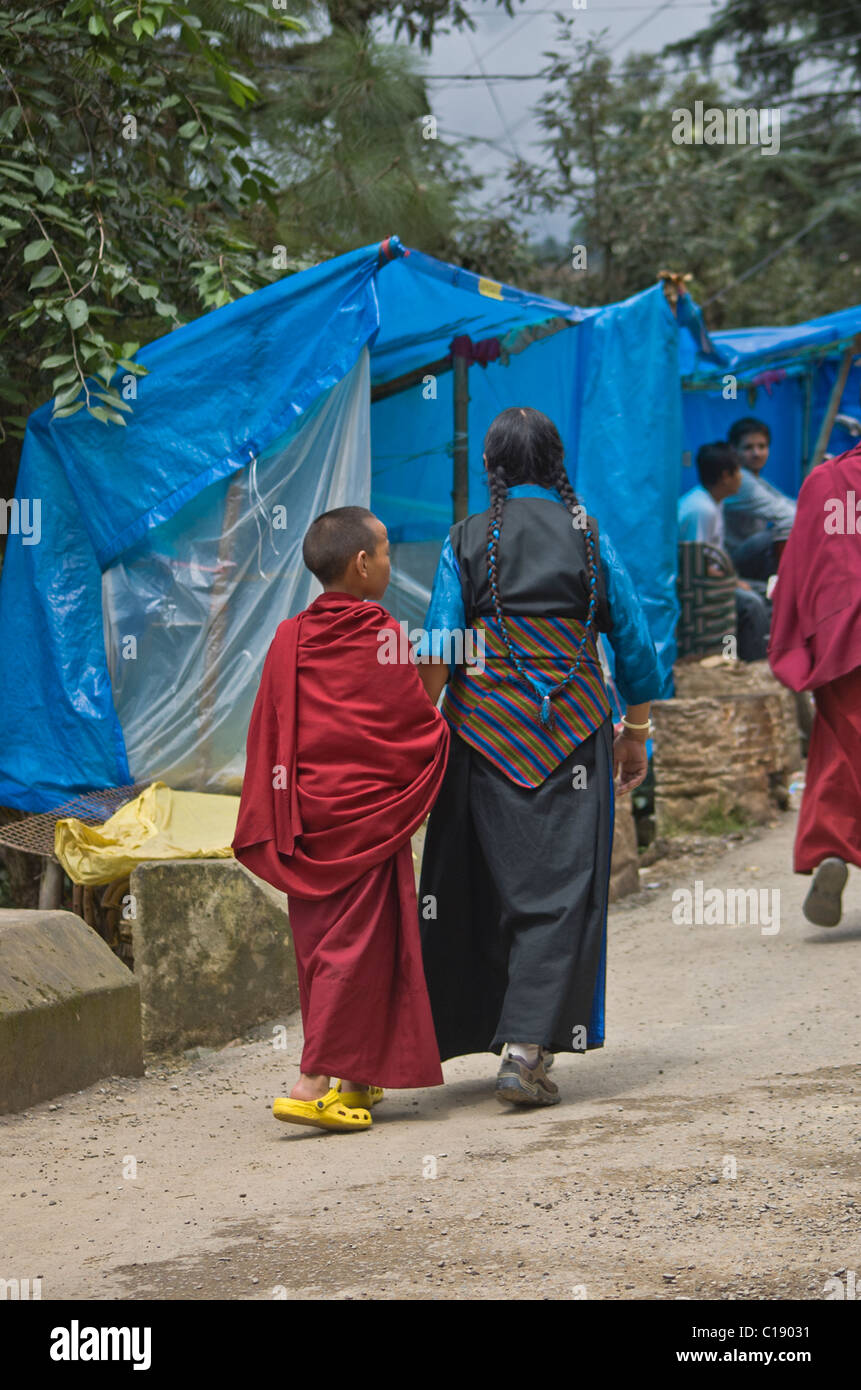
x: 460, y: 490
x: 214, y: 640
x: 51, y: 885
x: 834, y: 401
x: 805, y: 427
x: 410, y: 379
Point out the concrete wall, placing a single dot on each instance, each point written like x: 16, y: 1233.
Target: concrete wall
x: 212, y: 951
x: 69, y: 1009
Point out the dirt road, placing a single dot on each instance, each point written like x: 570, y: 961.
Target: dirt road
x: 711, y: 1150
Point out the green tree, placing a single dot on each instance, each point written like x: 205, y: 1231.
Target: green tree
x: 742, y: 223
x: 124, y: 173
x: 153, y: 156
x: 801, y: 58
x: 353, y: 149
x: 787, y: 46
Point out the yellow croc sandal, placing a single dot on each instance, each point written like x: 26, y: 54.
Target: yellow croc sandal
x: 372, y: 1095
x: 331, y: 1112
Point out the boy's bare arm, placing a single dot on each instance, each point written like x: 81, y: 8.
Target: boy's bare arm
x: 434, y: 675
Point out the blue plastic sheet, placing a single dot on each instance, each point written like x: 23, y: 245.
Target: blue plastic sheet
x: 629, y: 449
x: 237, y: 384
x: 609, y: 382
x: 748, y: 349
x: 782, y: 375
x: 219, y: 391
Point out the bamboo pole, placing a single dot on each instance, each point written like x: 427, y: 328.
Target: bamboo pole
x: 214, y: 640
x: 460, y: 490
x: 409, y: 379
x: 834, y: 401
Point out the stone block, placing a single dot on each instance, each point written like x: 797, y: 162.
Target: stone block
x: 624, y: 864
x: 212, y: 951
x: 69, y: 1009
x: 716, y: 677
x: 724, y: 747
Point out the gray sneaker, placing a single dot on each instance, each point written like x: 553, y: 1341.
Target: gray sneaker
x: 518, y: 1084
x: 823, y: 906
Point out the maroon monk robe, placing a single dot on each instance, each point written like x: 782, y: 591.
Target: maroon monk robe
x: 345, y: 758
x: 816, y: 645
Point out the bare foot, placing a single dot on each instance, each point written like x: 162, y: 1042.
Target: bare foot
x: 348, y: 1086
x: 310, y: 1087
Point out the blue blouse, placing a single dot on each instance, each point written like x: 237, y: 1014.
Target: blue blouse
x: 637, y: 674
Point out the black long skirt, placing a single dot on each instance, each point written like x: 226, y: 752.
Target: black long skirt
x: 513, y: 902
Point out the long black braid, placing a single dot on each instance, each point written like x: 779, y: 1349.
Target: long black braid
x: 524, y: 446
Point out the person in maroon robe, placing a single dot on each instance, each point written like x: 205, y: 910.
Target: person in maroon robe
x: 345, y: 757
x: 816, y: 645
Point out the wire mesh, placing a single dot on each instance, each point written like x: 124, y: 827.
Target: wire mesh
x: 35, y: 834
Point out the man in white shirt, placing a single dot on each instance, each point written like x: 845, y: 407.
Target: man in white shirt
x: 701, y: 519
x: 700, y: 511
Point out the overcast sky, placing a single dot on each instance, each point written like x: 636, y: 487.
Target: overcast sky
x: 479, y: 113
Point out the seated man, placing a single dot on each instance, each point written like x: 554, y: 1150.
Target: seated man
x: 701, y: 519
x: 758, y: 517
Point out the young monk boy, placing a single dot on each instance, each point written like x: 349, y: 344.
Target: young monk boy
x: 345, y: 757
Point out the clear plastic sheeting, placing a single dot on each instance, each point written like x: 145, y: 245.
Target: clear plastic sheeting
x: 406, y: 599
x: 190, y: 611
x: 413, y: 569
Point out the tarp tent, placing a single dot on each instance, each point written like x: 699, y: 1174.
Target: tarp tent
x: 133, y: 628
x: 782, y: 375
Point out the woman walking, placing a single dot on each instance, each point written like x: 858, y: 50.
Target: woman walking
x: 517, y: 854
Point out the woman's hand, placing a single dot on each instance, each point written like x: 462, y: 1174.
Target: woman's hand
x: 630, y: 759
x: 434, y: 675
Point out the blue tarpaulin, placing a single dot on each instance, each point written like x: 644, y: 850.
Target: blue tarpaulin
x: 781, y: 375
x: 178, y: 537
x: 219, y: 391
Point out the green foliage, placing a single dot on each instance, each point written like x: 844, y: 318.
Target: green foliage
x: 346, y: 141
x: 774, y: 39
x: 768, y: 238
x: 162, y: 157
x: 155, y: 153
x: 718, y: 821
x: 122, y: 188
x: 416, y: 20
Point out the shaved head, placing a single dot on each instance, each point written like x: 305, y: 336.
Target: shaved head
x: 335, y: 538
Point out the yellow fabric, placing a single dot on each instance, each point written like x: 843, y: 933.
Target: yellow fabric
x: 158, y: 824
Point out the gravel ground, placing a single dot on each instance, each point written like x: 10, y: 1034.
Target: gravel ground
x: 712, y: 1150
